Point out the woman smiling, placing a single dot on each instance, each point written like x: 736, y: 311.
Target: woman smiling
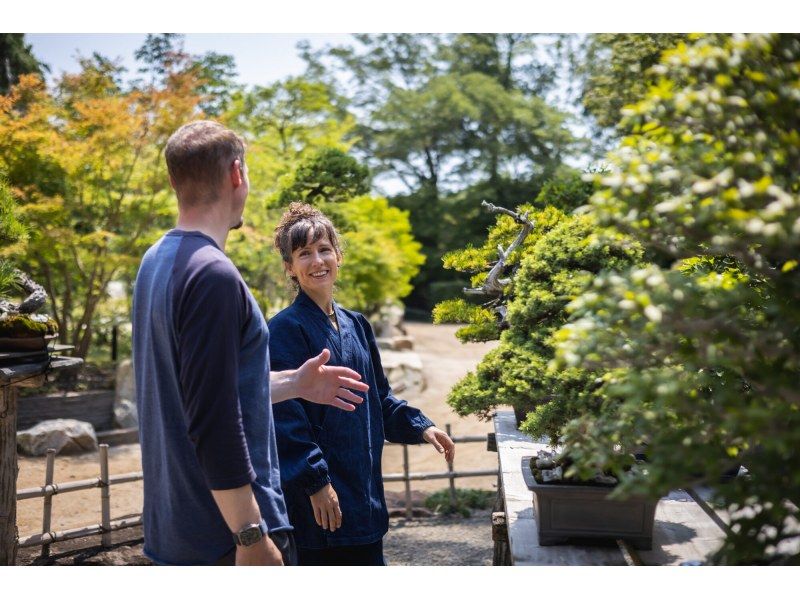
x: 330, y: 459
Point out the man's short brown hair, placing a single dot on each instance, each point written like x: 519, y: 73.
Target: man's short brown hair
x: 199, y: 156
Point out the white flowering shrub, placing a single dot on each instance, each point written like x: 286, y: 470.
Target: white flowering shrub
x: 700, y: 358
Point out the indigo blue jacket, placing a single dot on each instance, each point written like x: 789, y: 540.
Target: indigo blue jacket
x: 318, y: 444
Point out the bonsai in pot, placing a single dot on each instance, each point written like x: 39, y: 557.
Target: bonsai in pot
x: 567, y: 506
x: 20, y: 328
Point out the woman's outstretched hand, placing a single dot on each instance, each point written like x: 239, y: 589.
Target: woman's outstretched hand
x: 441, y: 442
x: 327, y: 384
x: 327, y: 512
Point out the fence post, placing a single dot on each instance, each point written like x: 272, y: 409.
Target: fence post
x: 47, y: 510
x: 409, y: 508
x: 451, y: 478
x: 8, y: 473
x: 114, y: 343
x: 105, y: 497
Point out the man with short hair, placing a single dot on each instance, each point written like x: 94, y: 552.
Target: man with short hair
x: 212, y: 491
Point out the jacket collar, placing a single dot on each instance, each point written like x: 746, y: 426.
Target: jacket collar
x: 306, y: 301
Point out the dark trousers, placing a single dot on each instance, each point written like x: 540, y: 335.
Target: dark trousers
x: 283, y: 540
x: 366, y: 554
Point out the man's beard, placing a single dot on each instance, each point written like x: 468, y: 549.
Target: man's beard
x: 239, y: 225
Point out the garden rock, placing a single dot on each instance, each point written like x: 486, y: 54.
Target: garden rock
x: 403, y: 369
x: 396, y: 343
x: 66, y: 436
x: 553, y: 475
x: 389, y: 322
x: 125, y: 413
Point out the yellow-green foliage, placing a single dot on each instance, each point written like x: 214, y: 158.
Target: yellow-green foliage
x: 11, y: 229
x: 482, y: 322
x: 381, y: 256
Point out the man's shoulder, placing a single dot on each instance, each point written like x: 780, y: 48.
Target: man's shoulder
x: 198, y: 259
x: 189, y: 252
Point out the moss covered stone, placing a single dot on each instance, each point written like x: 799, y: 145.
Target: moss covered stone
x: 26, y: 326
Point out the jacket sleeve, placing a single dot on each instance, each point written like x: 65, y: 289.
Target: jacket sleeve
x: 401, y: 422
x: 302, y: 462
x: 303, y: 465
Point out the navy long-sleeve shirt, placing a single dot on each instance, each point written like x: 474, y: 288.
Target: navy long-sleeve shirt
x: 201, y: 364
x: 320, y: 444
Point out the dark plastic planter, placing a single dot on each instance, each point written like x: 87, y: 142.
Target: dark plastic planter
x: 565, y: 512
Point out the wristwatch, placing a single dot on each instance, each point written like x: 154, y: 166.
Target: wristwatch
x: 250, y: 533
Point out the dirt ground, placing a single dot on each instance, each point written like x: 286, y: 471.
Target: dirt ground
x: 445, y: 360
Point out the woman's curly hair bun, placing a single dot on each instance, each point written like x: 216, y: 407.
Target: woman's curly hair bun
x: 297, y: 222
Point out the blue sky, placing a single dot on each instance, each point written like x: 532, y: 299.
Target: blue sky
x: 261, y: 58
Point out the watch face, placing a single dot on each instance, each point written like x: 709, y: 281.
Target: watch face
x: 250, y: 536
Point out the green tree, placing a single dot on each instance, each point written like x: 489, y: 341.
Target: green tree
x: 16, y: 58
x: 11, y: 229
x: 12, y: 232
x: 702, y: 358
x: 613, y: 70
x: 163, y: 56
x: 283, y: 123
x: 449, y: 116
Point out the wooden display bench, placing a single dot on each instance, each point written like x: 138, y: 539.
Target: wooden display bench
x: 686, y: 531
x: 12, y: 377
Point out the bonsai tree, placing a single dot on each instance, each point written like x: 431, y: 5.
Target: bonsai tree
x: 548, y: 257
x: 700, y: 359
x: 17, y: 319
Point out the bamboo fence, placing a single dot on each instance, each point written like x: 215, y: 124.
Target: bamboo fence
x: 105, y: 481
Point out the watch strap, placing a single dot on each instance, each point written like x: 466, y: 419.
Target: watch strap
x: 251, y: 533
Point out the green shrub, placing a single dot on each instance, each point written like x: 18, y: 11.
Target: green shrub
x: 466, y: 500
x: 700, y: 360
x: 556, y: 262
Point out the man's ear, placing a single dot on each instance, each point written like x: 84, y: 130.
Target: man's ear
x: 237, y: 173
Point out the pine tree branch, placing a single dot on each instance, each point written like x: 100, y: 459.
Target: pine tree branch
x: 494, y: 285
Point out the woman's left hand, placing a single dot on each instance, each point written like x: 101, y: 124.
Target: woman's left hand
x: 441, y: 442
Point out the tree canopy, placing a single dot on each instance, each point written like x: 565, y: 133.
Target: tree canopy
x: 16, y: 58
x: 455, y: 119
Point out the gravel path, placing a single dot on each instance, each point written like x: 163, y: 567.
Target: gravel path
x: 440, y: 540
x: 437, y: 540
